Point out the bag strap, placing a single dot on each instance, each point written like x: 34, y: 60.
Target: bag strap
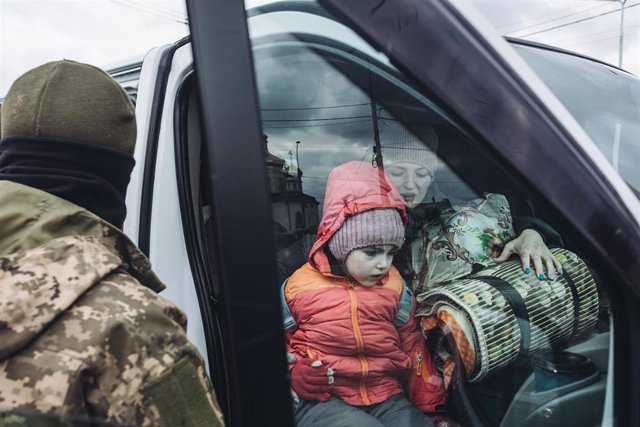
x: 576, y: 299
x: 287, y: 318
x: 405, y: 307
x: 516, y: 302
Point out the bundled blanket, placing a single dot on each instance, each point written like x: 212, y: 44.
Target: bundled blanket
x: 499, y: 312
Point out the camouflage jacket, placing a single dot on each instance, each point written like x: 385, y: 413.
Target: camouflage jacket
x: 83, y: 332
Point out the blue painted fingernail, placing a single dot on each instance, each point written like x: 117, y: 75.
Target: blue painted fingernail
x: 527, y: 270
x: 541, y: 276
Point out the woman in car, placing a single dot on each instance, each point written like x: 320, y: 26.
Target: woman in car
x: 411, y: 165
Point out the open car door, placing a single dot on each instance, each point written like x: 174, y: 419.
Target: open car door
x: 386, y: 70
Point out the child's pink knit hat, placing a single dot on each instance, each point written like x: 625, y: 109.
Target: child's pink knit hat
x: 372, y: 227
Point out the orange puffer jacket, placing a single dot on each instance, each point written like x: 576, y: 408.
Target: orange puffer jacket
x: 368, y: 336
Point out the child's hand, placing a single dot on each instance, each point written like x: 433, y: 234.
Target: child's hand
x: 311, y: 380
x: 532, y: 249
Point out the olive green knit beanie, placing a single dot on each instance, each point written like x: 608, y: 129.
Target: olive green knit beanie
x: 72, y: 101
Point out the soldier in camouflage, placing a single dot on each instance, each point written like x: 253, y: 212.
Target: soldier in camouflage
x: 84, y: 336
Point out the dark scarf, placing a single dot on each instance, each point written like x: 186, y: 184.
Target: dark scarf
x: 421, y: 215
x: 417, y: 218
x: 90, y: 176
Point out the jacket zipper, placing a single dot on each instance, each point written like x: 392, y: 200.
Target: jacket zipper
x: 419, y: 360
x: 359, y: 345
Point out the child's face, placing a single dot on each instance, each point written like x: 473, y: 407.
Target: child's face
x: 369, y: 264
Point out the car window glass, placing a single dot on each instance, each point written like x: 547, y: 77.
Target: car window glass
x: 609, y: 110
x: 324, y: 103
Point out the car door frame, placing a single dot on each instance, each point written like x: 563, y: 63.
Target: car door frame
x: 249, y: 300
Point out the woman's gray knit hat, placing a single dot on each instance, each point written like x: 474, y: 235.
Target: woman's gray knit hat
x: 400, y: 144
x: 372, y: 227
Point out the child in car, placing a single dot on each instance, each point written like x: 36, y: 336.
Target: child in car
x: 355, y: 355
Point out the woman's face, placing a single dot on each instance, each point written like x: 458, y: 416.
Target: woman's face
x: 412, y: 180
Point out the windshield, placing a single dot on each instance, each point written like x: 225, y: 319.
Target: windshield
x: 604, y: 100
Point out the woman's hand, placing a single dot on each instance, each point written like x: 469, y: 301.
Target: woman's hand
x: 531, y: 249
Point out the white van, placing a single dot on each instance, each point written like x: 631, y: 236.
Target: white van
x: 233, y: 153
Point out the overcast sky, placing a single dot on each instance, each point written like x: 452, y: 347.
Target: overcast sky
x: 103, y: 32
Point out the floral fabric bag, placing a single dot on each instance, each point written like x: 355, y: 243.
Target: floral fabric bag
x: 464, y: 239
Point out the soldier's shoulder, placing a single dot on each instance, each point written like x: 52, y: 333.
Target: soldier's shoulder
x: 124, y: 297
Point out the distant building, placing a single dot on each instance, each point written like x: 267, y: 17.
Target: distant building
x: 295, y: 214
